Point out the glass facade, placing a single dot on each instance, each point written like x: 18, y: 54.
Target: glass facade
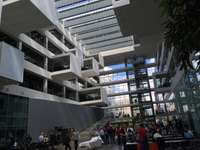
x: 141, y: 88
x: 13, y: 117
x: 187, y: 100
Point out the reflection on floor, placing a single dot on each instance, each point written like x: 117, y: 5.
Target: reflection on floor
x: 110, y: 147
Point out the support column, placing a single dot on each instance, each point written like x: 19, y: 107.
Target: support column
x: 20, y: 45
x: 130, y: 97
x: 45, y: 85
x: 46, y: 43
x: 64, y: 91
x: 86, y: 84
x: 45, y: 82
x: 46, y: 58
x: 46, y: 63
x: 63, y: 39
x: 152, y: 106
x: 77, y: 92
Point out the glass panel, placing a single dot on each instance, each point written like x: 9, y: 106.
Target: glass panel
x: 13, y: 117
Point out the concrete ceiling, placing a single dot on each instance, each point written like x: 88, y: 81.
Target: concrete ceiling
x: 143, y: 19
x: 139, y: 17
x: 117, y: 55
x: 22, y: 15
x: 93, y: 23
x: 107, y: 25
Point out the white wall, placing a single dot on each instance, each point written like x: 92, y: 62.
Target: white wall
x: 11, y: 62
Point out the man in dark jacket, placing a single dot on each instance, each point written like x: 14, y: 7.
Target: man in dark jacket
x: 67, y: 139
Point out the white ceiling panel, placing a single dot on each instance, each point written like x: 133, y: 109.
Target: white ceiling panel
x: 89, y: 18
x: 93, y: 23
x: 85, y: 8
x: 102, y: 38
x: 94, y: 26
x: 98, y: 33
x: 108, y: 42
x: 110, y: 47
x: 61, y: 3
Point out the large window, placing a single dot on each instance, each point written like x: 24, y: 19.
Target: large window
x: 113, y: 77
x: 150, y: 61
x: 32, y: 56
x: 32, y: 81
x: 120, y: 101
x: 4, y: 37
x: 117, y: 88
x: 13, y: 117
x: 55, y: 89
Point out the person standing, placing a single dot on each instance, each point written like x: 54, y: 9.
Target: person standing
x: 109, y: 129
x: 158, y: 138
x: 41, y: 141
x: 102, y: 135
x: 52, y: 140
x: 118, y: 135
x: 27, y: 141
x: 67, y: 139
x: 106, y: 135
x: 123, y: 137
x: 188, y: 133
x: 76, y: 137
x: 113, y: 135
x: 143, y: 140
x: 130, y: 135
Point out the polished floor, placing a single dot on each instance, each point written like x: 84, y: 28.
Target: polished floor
x: 104, y: 147
x: 110, y: 147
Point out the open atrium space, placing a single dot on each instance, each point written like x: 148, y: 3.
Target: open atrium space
x: 99, y: 75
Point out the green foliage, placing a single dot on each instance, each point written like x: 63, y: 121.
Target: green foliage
x: 182, y: 29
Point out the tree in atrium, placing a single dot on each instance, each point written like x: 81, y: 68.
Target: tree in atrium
x: 182, y: 28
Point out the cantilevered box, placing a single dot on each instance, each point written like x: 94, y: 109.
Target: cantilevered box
x: 90, y: 67
x: 65, y: 67
x: 96, y: 96
x: 99, y: 59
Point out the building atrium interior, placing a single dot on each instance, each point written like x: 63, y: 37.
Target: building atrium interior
x: 94, y: 65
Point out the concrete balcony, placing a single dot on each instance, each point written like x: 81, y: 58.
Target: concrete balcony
x: 99, y: 59
x: 90, y: 68
x: 65, y: 67
x: 11, y: 72
x: 95, y: 96
x: 20, y: 16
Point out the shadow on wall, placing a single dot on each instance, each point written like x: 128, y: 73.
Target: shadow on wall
x: 45, y: 115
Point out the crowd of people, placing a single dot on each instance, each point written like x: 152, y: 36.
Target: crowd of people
x: 64, y: 136
x: 142, y: 133
x: 120, y: 134
x: 48, y: 140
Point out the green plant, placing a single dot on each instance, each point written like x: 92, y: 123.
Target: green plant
x: 182, y: 29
